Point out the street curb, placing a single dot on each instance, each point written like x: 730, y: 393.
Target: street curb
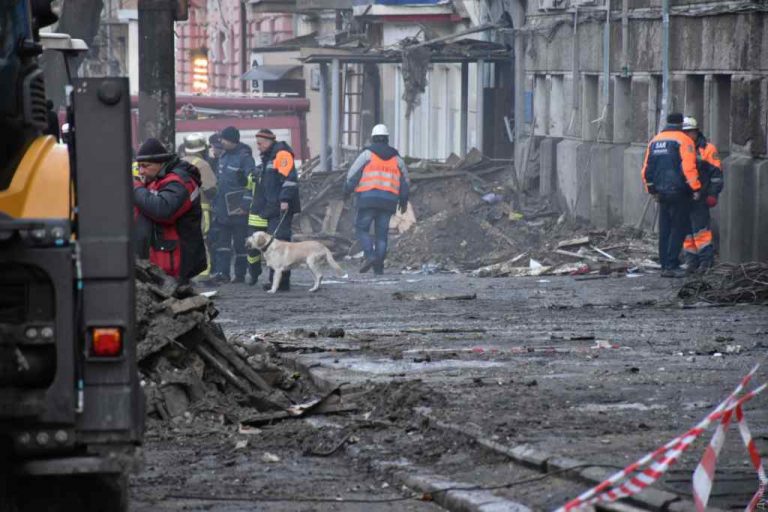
x: 652, y: 499
x: 429, y: 483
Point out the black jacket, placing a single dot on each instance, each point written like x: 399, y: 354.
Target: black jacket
x: 275, y: 186
x: 234, y: 167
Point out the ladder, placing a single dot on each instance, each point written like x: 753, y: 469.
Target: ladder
x: 352, y: 106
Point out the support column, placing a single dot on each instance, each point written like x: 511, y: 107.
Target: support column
x: 324, y: 142
x: 398, y: 128
x: 426, y: 140
x: 480, y: 117
x: 464, y: 108
x: 157, y: 88
x: 335, y: 113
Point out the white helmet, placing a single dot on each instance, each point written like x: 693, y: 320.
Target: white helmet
x: 689, y: 123
x: 380, y: 129
x: 194, y: 143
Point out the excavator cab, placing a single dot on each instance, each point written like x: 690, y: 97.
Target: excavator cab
x: 71, y: 405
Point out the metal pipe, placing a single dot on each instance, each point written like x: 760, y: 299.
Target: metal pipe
x: 398, y: 132
x: 625, y: 37
x: 324, y: 118
x: 480, y: 117
x: 664, y: 62
x: 464, y: 109
x: 575, y: 61
x: 607, y: 58
x: 244, y: 57
x: 335, y: 106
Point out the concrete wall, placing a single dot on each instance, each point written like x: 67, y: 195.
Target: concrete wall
x: 718, y: 73
x: 601, y: 183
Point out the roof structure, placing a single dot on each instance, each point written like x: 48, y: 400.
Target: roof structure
x: 463, y: 50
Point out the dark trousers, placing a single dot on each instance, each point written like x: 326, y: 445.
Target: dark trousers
x: 673, y: 226
x: 698, y: 245
x: 281, y: 231
x: 229, y: 239
x: 375, y: 249
x: 254, y: 255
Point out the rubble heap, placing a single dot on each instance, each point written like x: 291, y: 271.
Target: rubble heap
x: 474, y: 214
x: 188, y: 367
x: 729, y: 283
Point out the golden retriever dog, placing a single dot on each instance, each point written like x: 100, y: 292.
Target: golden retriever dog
x: 281, y: 256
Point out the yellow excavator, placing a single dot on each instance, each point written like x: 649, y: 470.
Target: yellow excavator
x: 71, y: 405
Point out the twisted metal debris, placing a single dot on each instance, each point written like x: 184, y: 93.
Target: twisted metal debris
x: 729, y: 284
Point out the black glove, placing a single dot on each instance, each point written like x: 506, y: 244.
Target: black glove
x: 403, y: 206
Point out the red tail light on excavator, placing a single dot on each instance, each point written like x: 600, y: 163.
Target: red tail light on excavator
x: 106, y: 342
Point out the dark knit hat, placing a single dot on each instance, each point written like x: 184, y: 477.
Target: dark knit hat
x: 215, y: 141
x: 675, y: 118
x: 265, y: 134
x: 232, y: 134
x: 153, y: 151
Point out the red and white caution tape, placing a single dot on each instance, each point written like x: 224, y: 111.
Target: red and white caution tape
x: 633, y: 479
x: 754, y: 456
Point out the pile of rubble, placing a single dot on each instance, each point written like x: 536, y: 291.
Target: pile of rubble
x: 190, y: 370
x: 473, y: 214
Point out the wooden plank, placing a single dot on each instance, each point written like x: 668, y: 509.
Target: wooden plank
x: 332, y: 215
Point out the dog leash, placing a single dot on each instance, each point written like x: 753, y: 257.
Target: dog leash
x: 285, y: 214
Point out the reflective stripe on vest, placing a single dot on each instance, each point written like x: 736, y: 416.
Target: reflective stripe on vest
x: 380, y: 174
x: 257, y: 221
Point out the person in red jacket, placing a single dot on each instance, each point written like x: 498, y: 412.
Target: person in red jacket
x: 167, y: 198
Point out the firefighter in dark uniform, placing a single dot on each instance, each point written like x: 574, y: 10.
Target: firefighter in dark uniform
x: 230, y: 207
x: 167, y: 198
x: 255, y: 223
x: 671, y: 176
x: 699, y: 244
x: 276, y: 197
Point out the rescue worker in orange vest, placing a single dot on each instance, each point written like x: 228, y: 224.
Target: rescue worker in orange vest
x: 698, y: 245
x: 275, y: 196
x: 379, y: 177
x: 671, y: 176
x: 167, y: 195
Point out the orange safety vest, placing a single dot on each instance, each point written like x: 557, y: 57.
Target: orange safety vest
x: 380, y: 174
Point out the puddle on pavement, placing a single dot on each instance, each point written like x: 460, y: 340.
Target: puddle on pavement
x: 388, y: 366
x: 618, y: 407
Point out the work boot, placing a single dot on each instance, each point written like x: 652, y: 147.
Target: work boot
x: 216, y: 279
x: 675, y: 273
x: 378, y: 269
x: 366, y: 266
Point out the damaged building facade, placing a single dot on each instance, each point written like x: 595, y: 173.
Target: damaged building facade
x: 593, y: 96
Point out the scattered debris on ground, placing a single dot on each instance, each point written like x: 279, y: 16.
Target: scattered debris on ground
x: 470, y: 214
x: 729, y: 283
x: 190, y: 370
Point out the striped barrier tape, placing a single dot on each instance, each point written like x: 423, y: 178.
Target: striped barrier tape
x: 704, y: 475
x: 633, y: 479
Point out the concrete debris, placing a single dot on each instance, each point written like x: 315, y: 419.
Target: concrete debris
x: 187, y: 364
x: 269, y: 458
